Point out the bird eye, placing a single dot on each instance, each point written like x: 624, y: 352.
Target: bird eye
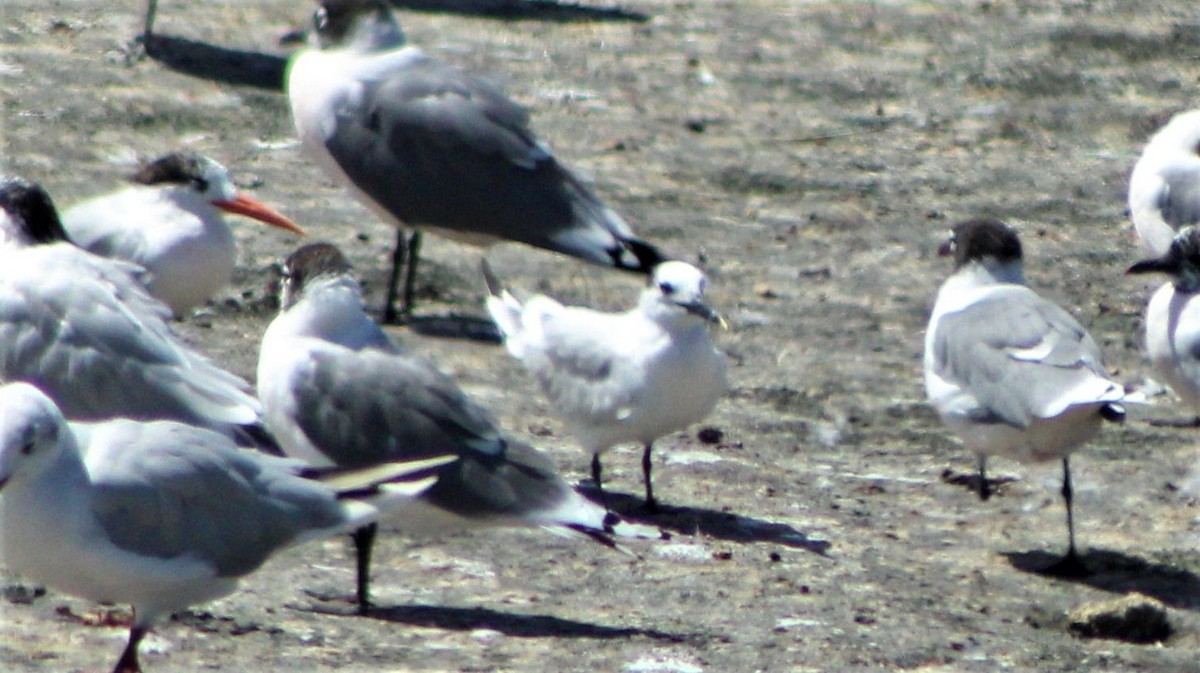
x: 27, y: 448
x: 200, y: 184
x: 666, y: 288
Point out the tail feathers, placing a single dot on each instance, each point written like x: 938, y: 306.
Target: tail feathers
x: 494, y: 287
x: 504, y: 308
x: 578, y: 515
x: 620, y: 527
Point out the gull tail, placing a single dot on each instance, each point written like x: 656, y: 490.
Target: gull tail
x: 519, y: 487
x: 580, y: 516
x: 504, y: 308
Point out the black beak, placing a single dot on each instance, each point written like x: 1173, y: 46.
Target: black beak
x: 702, y: 310
x: 1157, y: 265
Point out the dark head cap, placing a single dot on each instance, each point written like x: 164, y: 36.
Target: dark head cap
x: 337, y: 23
x: 31, y: 211
x: 980, y: 240
x: 176, y: 168
x: 308, y: 263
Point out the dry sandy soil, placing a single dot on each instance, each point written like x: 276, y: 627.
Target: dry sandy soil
x: 810, y: 155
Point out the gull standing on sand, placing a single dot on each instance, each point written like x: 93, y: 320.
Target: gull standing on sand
x: 170, y: 223
x: 428, y: 146
x: 85, y: 331
x: 1164, y: 189
x: 1010, y: 373
x: 162, y: 515
x: 338, y: 392
x: 620, y: 377
x: 1173, y: 317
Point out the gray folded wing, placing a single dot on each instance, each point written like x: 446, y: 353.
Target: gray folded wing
x: 1020, y: 356
x: 361, y: 407
x: 365, y: 406
x: 586, y: 379
x: 437, y: 147
x: 101, y: 346
x: 169, y: 490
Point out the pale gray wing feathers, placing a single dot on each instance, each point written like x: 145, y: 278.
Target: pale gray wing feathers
x: 1179, y: 200
x: 169, y: 490
x: 579, y: 370
x: 100, y: 357
x: 1016, y: 354
x: 437, y: 147
x: 365, y: 406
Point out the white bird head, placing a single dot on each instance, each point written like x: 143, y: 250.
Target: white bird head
x: 199, y: 182
x: 677, y: 289
x: 1182, y: 133
x: 30, y: 425
x: 1182, y: 261
x: 989, y: 243
x: 366, y: 25
x: 27, y: 215
x: 308, y: 264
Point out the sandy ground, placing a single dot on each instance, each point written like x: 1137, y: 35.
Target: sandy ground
x: 811, y: 155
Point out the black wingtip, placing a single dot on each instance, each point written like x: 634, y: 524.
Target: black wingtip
x: 256, y: 436
x: 645, y: 256
x: 1114, y: 413
x: 597, y: 535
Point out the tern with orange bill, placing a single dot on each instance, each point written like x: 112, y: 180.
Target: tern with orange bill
x: 170, y: 222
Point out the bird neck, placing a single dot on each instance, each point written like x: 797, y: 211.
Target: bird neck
x: 989, y: 271
x: 332, y: 309
x: 378, y: 32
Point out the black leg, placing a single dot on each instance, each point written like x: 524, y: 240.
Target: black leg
x: 398, y: 258
x: 1070, y: 565
x: 1069, y: 498
x: 596, y: 480
x: 151, y: 10
x: 128, y: 663
x: 985, y: 491
x: 364, y: 541
x: 651, y: 503
x: 410, y: 278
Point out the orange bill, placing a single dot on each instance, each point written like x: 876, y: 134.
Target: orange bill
x: 244, y: 205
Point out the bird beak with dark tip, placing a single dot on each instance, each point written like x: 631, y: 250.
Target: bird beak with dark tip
x: 702, y: 310
x: 1156, y: 265
x: 252, y: 208
x: 946, y: 249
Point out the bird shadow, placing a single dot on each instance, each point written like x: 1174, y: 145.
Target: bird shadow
x: 710, y: 523
x: 508, y: 623
x: 520, y: 10
x: 268, y: 71
x: 454, y: 326
x: 214, y: 63
x: 1121, y: 573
